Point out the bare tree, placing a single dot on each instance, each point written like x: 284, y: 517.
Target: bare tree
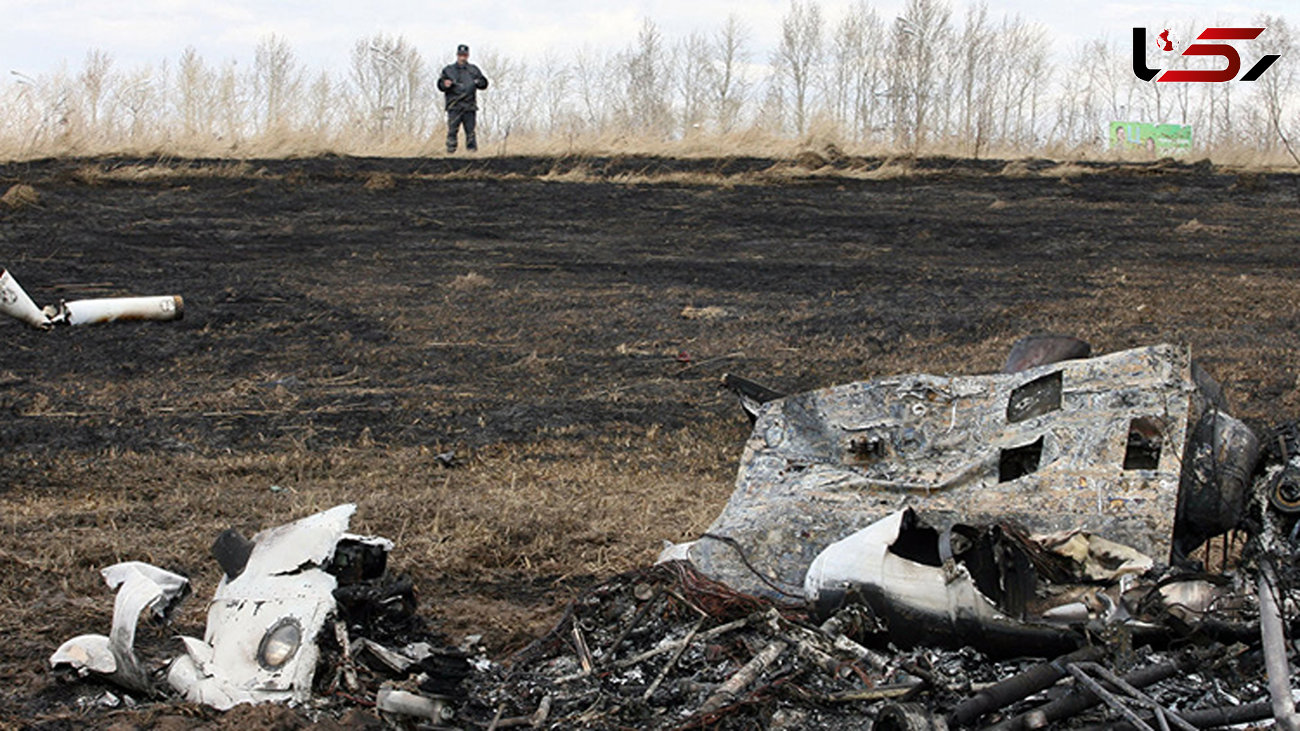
x: 507, y: 109
x: 322, y: 105
x: 730, y: 53
x: 1182, y: 94
x: 871, y: 87
x: 594, y: 70
x: 138, y: 97
x: 95, y: 78
x: 771, y: 116
x: 1077, y: 104
x: 1030, y: 76
x: 797, y: 54
x: 194, y: 97
x: 919, y: 35
x: 1019, y: 79
x: 646, y: 106
x: 388, y: 76
x: 975, y: 56
x: 692, y: 79
x: 554, y: 93
x: 1275, y: 89
x: 230, y: 99
x: 276, y: 82
x: 1108, y: 92
x: 848, y: 57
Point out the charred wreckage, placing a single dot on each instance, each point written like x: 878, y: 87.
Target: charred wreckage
x: 898, y: 552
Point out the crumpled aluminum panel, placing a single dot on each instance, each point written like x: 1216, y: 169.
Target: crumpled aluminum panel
x: 823, y: 464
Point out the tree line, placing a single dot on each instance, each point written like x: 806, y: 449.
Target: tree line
x: 931, y: 79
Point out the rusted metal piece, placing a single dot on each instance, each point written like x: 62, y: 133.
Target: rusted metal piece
x: 1045, y: 449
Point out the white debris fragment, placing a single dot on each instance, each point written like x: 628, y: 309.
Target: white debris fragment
x: 260, y: 642
x: 140, y: 587
x: 15, y: 302
x: 113, y: 309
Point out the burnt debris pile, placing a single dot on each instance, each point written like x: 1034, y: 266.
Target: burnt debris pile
x: 667, y: 648
x: 1075, y: 540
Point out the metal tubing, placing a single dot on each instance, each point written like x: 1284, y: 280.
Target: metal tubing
x: 1003, y: 694
x: 1080, y: 700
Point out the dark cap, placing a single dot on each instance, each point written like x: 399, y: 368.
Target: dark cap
x: 462, y: 50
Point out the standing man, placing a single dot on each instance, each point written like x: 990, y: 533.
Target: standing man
x: 460, y: 82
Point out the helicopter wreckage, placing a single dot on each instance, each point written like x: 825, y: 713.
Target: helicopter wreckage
x: 1017, y: 514
x: 997, y: 511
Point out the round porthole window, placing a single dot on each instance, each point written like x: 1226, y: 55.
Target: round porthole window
x: 279, y: 644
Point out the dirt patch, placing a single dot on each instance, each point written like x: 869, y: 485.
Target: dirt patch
x: 328, y: 352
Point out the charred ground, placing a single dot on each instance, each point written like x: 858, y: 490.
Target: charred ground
x: 349, y: 319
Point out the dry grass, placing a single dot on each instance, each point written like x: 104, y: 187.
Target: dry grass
x: 684, y: 178
x: 577, y: 174
x: 20, y: 196
x: 1193, y: 226
x: 1016, y: 169
x: 811, y: 151
x: 795, y: 167
x: 380, y: 181
x: 890, y: 170
x: 164, y: 171
x: 711, y: 312
x: 511, y: 513
x: 1066, y: 171
x: 469, y: 282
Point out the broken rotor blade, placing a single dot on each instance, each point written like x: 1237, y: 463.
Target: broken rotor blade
x: 15, y: 303
x: 113, y: 309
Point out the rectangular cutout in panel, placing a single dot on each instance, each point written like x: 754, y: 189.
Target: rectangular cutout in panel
x: 1017, y: 462
x: 1035, y: 398
x: 868, y: 449
x: 1146, y: 437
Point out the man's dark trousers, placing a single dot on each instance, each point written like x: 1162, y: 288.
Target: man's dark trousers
x: 455, y: 119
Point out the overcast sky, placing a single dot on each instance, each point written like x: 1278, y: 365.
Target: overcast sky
x: 36, y: 36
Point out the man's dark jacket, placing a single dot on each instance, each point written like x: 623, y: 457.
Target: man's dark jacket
x: 465, y: 82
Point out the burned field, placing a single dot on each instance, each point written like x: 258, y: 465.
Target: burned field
x: 561, y: 326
